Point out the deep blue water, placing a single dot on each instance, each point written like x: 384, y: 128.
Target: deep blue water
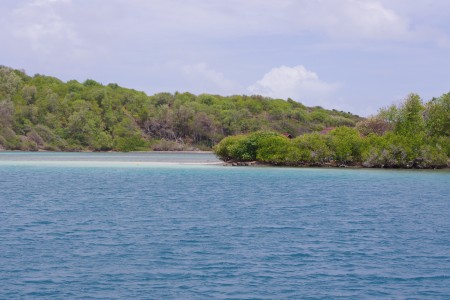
x: 89, y: 227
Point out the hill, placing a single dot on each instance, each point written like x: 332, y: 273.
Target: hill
x: 44, y: 113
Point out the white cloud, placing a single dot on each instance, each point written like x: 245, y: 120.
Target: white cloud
x: 374, y: 46
x: 39, y: 24
x: 46, y: 2
x: 360, y: 19
x: 77, y: 27
x: 206, y: 79
x: 294, y: 82
x: 342, y: 19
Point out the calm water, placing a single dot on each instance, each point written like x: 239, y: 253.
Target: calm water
x: 106, y: 226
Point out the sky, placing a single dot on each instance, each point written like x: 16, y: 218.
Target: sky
x: 351, y: 55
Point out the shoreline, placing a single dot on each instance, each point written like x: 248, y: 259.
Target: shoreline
x: 321, y: 166
x: 329, y: 165
x: 89, y: 151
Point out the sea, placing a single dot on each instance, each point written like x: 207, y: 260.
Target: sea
x: 185, y: 226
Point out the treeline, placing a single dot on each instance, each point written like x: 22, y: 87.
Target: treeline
x: 410, y: 135
x: 43, y: 112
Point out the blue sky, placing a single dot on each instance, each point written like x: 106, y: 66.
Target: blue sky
x: 351, y: 55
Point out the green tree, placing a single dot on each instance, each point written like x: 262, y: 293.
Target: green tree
x: 346, y: 144
x: 228, y: 148
x: 6, y: 113
x: 314, y: 148
x: 127, y: 136
x: 437, y: 116
x: 279, y: 150
x: 410, y: 120
x: 10, y: 82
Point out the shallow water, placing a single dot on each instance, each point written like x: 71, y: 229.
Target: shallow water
x: 88, y: 226
x: 107, y: 159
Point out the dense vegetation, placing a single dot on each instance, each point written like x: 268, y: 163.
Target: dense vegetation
x: 42, y: 112
x: 410, y: 135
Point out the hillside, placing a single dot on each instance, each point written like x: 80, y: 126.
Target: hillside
x: 44, y: 113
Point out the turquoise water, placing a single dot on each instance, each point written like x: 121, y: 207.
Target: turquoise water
x: 107, y: 226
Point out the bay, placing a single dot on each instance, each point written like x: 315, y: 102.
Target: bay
x: 182, y: 226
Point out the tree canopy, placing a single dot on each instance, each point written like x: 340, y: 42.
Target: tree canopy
x: 409, y: 135
x: 43, y: 112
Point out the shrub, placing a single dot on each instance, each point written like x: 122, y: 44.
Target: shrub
x: 132, y: 143
x: 276, y: 149
x: 444, y: 143
x: 164, y: 145
x: 430, y: 157
x: 374, y: 125
x: 312, y: 148
x: 226, y: 148
x: 394, y: 156
x: 346, y: 145
x: 400, y: 151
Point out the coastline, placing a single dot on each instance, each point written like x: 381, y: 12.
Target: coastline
x: 324, y: 165
x: 327, y: 165
x: 140, y: 159
x: 91, y: 151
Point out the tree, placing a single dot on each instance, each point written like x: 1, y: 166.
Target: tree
x: 410, y: 121
x: 160, y: 124
x: 314, y: 148
x: 228, y: 148
x: 375, y: 125
x: 127, y: 136
x: 6, y: 113
x: 204, y: 129
x: 389, y: 114
x: 346, y: 144
x: 9, y: 82
x: 86, y: 128
x: 437, y: 116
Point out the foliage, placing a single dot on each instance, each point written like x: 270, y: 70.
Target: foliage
x: 346, y: 145
x: 314, y: 148
x: 410, y: 121
x: 275, y: 149
x: 396, y: 151
x: 242, y: 147
x: 375, y: 125
x: 77, y: 116
x: 437, y: 116
x: 225, y: 150
x: 43, y: 112
x: 410, y: 135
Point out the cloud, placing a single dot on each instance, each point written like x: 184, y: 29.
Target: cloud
x: 46, y: 2
x: 77, y: 28
x: 374, y: 46
x: 39, y: 24
x: 206, y: 79
x: 294, y: 82
x: 359, y: 19
x: 339, y: 19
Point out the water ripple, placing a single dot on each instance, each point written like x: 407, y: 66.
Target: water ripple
x: 220, y: 232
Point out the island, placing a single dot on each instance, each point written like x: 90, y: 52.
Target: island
x: 43, y: 113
